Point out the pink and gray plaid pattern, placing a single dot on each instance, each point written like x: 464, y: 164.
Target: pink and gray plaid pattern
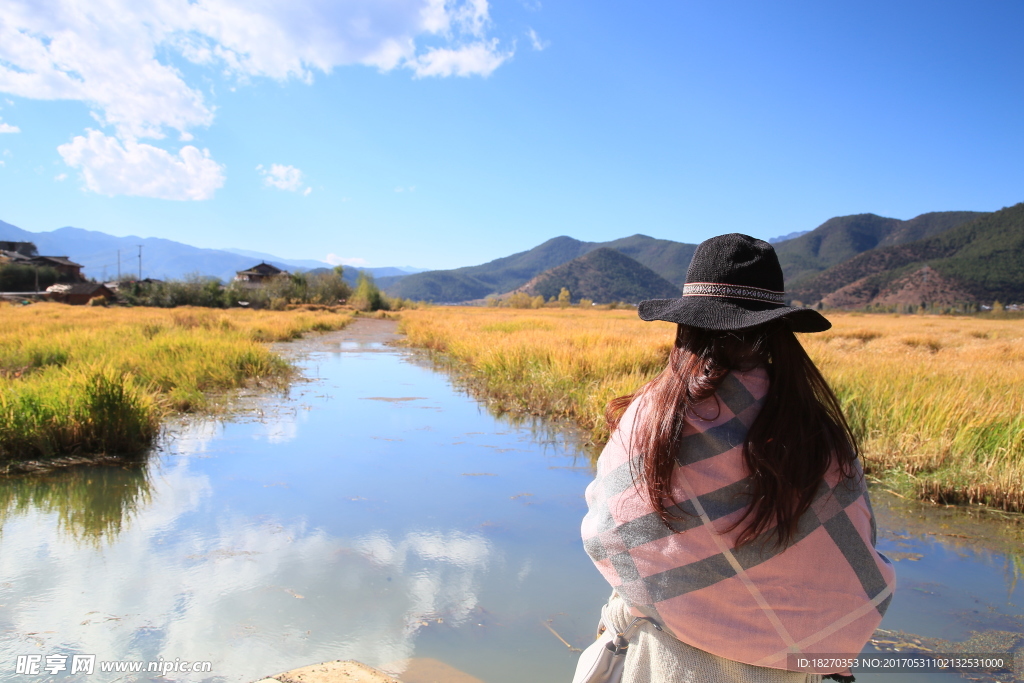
x: 824, y: 593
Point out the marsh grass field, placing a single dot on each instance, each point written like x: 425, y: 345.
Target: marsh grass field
x: 936, y: 401
x: 93, y: 380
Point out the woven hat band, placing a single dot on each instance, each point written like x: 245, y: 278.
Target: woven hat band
x: 732, y: 292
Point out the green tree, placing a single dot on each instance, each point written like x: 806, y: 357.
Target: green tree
x: 19, y: 278
x: 367, y: 296
x: 327, y: 289
x: 564, y: 298
x: 519, y: 300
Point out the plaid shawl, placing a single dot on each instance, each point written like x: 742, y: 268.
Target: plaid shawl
x: 823, y: 594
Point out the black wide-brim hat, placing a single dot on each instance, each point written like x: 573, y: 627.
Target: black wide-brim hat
x: 734, y: 282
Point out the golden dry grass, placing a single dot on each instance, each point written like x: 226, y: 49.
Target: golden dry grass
x: 97, y: 380
x: 937, y: 402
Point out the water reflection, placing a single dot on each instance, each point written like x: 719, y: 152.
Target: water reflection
x: 226, y: 591
x: 90, y: 504
x: 192, y: 436
x: 281, y: 430
x: 563, y: 435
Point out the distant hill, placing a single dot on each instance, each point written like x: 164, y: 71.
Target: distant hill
x: 350, y: 274
x: 981, y: 260
x: 603, y: 275
x: 667, y: 258
x: 161, y: 258
x: 802, y: 256
x: 844, y: 237
x: 494, y: 277
x: 293, y: 264
x: 788, y: 236
x: 313, y: 266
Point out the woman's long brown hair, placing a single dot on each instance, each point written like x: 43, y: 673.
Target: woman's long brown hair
x: 794, y: 440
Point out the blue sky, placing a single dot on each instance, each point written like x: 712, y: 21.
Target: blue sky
x: 441, y: 134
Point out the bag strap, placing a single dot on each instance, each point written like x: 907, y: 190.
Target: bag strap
x: 620, y: 643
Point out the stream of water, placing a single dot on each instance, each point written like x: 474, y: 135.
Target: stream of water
x: 377, y: 512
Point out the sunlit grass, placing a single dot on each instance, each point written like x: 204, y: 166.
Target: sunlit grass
x: 938, y: 402
x: 96, y: 380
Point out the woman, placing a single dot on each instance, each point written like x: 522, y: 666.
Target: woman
x: 729, y: 506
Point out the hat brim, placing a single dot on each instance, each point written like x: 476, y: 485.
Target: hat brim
x: 722, y: 313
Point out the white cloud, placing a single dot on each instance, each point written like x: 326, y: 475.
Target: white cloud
x: 111, y: 167
x: 538, y: 44
x: 282, y: 177
x: 308, y: 191
x: 8, y: 128
x: 115, y: 55
x: 475, y: 59
x: 102, y: 54
x: 336, y: 260
x: 61, y: 177
x: 118, y: 56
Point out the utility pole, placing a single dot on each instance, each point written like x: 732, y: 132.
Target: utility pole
x: 140, y: 261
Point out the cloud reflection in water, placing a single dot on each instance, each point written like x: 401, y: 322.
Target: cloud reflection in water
x: 256, y: 596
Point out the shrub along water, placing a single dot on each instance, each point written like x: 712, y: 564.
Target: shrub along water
x: 368, y: 296
x: 283, y: 292
x: 77, y: 380
x: 936, y: 401
x: 275, y: 293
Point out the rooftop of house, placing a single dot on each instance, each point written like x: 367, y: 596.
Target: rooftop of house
x: 262, y: 268
x: 15, y: 256
x: 60, y: 260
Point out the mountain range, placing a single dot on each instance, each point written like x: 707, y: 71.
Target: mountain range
x: 666, y: 258
x: 839, y: 239
x: 161, y: 258
x: 981, y: 260
x: 947, y: 258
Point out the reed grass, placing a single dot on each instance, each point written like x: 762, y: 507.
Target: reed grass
x: 98, y: 381
x: 937, y: 402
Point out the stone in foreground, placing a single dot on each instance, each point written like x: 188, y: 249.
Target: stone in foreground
x: 332, y: 672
